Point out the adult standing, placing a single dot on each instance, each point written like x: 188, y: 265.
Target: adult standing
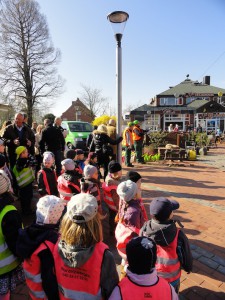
x: 37, y: 147
x: 58, y: 123
x: 111, y: 131
x: 18, y: 134
x: 52, y: 140
x: 128, y: 143
x: 138, y: 137
x: 101, y: 141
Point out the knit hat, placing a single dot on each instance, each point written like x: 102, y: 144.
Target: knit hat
x: 114, y: 167
x: 79, y: 151
x: 92, y: 155
x: 127, y: 190
x: 19, y: 150
x: 102, y: 128
x: 130, y: 124
x: 49, y: 210
x: 89, y: 171
x: 161, y: 208
x: 133, y: 176
x: 71, y: 154
x: 5, y: 184
x: 112, y: 122
x: 2, y: 160
x: 141, y: 255
x: 82, y: 208
x: 68, y: 164
x: 48, y: 157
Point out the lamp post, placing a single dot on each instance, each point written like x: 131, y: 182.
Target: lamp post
x: 118, y: 21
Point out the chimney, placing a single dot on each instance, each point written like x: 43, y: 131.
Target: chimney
x: 206, y: 80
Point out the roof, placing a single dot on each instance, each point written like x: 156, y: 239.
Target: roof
x: 193, y: 87
x: 144, y: 107
x: 197, y: 103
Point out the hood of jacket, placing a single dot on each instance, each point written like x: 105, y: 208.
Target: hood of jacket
x: 74, y: 256
x: 30, y: 238
x: 162, y: 233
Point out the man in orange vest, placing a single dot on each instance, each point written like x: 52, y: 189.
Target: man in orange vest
x: 128, y: 143
x: 142, y: 281
x: 138, y: 137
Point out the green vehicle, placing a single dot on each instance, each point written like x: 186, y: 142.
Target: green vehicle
x: 77, y: 133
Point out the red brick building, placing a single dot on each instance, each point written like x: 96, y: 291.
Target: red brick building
x: 77, y: 112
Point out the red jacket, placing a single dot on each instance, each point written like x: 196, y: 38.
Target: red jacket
x: 167, y: 264
x: 73, y: 282
x: 108, y: 196
x: 64, y: 189
x: 160, y: 291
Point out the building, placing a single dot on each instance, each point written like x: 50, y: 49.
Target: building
x: 6, y: 112
x: 187, y: 104
x: 77, y: 112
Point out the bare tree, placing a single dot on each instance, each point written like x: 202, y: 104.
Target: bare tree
x: 93, y: 100
x: 28, y: 59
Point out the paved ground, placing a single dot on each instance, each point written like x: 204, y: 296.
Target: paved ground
x: 200, y: 189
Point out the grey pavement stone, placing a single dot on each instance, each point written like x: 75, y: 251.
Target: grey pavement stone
x: 219, y: 260
x: 204, y: 252
x: 208, y: 262
x: 221, y: 269
x: 193, y: 247
x: 195, y: 254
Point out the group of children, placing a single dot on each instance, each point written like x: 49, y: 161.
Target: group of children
x: 62, y: 252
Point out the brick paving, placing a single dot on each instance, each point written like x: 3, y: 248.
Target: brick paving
x: 199, y: 187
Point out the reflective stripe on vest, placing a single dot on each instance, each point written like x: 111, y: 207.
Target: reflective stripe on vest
x: 135, y: 136
x: 46, y: 181
x: 82, y: 282
x: 32, y: 270
x: 107, y: 196
x: 159, y: 291
x: 24, y: 177
x: 8, y: 261
x: 167, y: 263
x: 64, y: 189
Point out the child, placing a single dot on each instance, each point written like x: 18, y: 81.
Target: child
x: 130, y: 218
x: 24, y: 176
x: 81, y: 255
x: 68, y: 181
x: 79, y: 158
x: 72, y: 155
x: 90, y: 183
x: 92, y: 159
x: 47, y: 179
x: 136, y: 177
x: 35, y: 244
x: 11, y: 271
x: 3, y: 166
x: 142, y: 281
x: 110, y: 195
x: 170, y: 241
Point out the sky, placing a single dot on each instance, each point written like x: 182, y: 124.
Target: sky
x: 163, y: 41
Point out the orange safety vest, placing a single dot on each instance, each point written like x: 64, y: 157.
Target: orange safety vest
x: 159, y: 291
x: 64, y: 189
x: 74, y: 283
x: 135, y: 136
x: 167, y: 263
x: 46, y: 181
x: 125, y: 142
x: 32, y: 270
x: 107, y: 196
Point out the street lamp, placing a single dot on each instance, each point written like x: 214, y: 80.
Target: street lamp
x: 118, y: 21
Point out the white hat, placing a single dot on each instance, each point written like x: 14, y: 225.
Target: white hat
x: 82, y: 208
x: 49, y: 210
x: 5, y: 184
x: 89, y: 171
x: 68, y: 164
x: 127, y: 190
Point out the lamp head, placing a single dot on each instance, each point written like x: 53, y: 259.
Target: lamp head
x: 118, y: 21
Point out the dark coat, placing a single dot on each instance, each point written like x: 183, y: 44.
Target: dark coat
x: 51, y: 140
x: 11, y: 133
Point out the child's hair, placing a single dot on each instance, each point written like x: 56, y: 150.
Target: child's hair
x: 82, y: 234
